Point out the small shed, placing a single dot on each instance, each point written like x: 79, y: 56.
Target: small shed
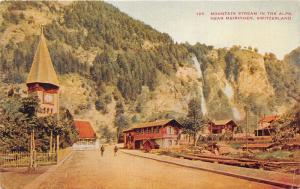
x: 222, y: 126
x: 264, y: 125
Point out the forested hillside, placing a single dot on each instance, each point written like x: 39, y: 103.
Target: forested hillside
x: 108, y: 61
x: 118, y: 49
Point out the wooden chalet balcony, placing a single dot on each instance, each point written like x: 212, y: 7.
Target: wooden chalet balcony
x: 143, y: 136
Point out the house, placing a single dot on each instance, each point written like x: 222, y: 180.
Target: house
x: 222, y: 126
x: 85, y: 131
x: 264, y: 125
x: 153, y: 135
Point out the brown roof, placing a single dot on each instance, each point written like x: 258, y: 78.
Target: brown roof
x: 42, y: 70
x: 268, y: 119
x: 222, y: 122
x: 151, y: 124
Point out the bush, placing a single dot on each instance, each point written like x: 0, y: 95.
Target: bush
x: 100, y: 106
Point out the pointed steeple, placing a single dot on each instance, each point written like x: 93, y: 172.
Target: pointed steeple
x: 42, y: 70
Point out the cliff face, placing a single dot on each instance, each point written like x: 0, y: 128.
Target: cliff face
x: 293, y: 57
x: 237, y: 79
x: 103, y: 56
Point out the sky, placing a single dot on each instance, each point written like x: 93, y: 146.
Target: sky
x: 179, y: 19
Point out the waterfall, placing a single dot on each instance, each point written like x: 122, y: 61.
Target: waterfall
x: 228, y: 91
x: 236, y: 113
x: 197, y: 65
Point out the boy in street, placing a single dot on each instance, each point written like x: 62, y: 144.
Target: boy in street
x: 116, y: 150
x: 102, y: 150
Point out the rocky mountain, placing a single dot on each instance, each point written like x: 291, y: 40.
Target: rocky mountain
x: 105, y: 58
x: 293, y: 57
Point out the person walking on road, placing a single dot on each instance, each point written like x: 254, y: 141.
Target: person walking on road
x: 102, y: 150
x: 116, y: 150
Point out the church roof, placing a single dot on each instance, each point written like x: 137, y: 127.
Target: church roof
x: 42, y: 70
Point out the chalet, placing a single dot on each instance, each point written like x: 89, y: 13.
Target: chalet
x: 264, y: 125
x: 153, y: 135
x: 85, y: 131
x: 222, y: 126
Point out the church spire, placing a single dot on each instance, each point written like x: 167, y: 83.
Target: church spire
x: 42, y: 70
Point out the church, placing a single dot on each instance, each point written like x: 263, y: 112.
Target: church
x: 43, y: 82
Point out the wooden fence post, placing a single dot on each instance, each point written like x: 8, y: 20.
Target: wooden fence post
x: 31, y: 152
x: 50, y: 150
x: 57, y: 148
x: 32, y: 164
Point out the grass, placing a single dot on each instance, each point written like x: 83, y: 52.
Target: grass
x: 168, y: 153
x: 235, y: 145
x: 276, y: 155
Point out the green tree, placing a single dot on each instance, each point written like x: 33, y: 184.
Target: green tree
x: 194, y: 122
x: 100, y: 106
x: 106, y: 134
x: 121, y: 123
x: 19, y: 119
x: 119, y: 108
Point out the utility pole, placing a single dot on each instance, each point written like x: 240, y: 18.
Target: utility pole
x: 247, y: 129
x: 257, y: 124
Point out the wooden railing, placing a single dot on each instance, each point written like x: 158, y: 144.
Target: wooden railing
x: 22, y: 159
x: 15, y: 159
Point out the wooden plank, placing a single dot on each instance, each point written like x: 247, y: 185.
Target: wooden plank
x: 223, y: 161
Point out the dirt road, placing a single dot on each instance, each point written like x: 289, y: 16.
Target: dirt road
x: 88, y: 170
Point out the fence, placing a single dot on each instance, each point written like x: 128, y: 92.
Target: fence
x: 15, y: 159
x: 33, y: 158
x: 22, y: 159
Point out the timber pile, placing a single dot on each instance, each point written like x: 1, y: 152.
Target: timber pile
x: 242, y: 162
x: 223, y: 160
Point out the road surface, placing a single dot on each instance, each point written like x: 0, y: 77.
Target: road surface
x: 88, y: 170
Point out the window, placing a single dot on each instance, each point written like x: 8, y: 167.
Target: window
x: 152, y: 130
x: 157, y: 129
x: 170, y: 130
x: 146, y: 130
x: 142, y: 131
